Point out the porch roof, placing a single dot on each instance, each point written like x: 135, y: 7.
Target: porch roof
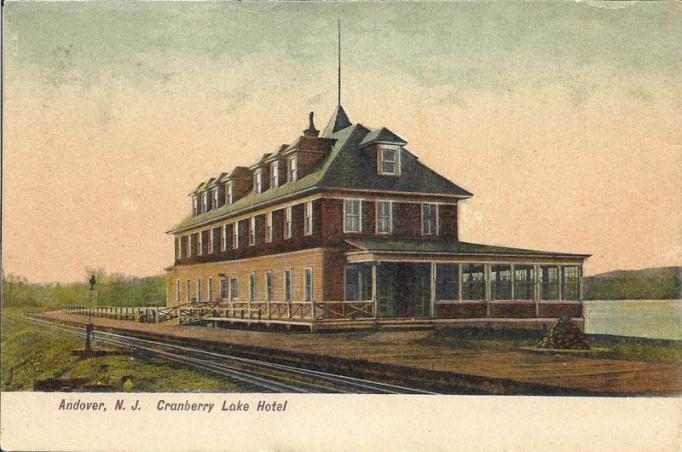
x: 426, y: 246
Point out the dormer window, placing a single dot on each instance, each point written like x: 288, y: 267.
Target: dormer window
x: 195, y: 205
x: 229, y: 193
x: 204, y: 202
x: 215, y: 198
x: 258, y: 175
x: 274, y: 170
x: 292, y: 169
x: 389, y: 161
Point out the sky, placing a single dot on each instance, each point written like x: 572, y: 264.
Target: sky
x: 563, y: 118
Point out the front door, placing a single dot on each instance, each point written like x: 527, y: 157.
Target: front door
x: 403, y: 290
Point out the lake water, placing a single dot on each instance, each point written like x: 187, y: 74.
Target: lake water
x: 659, y: 319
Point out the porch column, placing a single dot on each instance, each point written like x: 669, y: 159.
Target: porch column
x: 433, y: 289
x: 486, y: 280
x: 513, y: 280
x: 536, y: 289
x: 374, y: 289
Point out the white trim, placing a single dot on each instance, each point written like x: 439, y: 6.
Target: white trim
x: 288, y: 223
x: 252, y: 231
x: 424, y: 204
x: 268, y: 227
x: 308, y: 229
x: 305, y: 284
x: 200, y: 243
x: 345, y: 201
x: 268, y: 294
x: 235, y: 235
x: 380, y: 159
x: 376, y: 216
x: 223, y: 233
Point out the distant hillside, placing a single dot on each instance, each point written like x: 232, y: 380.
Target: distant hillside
x: 648, y: 283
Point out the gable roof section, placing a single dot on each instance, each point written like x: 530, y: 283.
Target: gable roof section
x: 348, y: 166
x: 448, y: 247
x: 382, y: 135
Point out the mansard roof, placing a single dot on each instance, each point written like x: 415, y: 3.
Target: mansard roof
x: 348, y: 166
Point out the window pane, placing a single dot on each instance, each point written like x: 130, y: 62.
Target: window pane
x: 524, y: 282
x: 500, y: 282
x: 570, y: 283
x: 549, y: 282
x: 473, y: 282
x: 447, y: 282
x: 352, y: 219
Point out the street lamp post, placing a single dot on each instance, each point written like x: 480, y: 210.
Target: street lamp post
x: 89, y: 328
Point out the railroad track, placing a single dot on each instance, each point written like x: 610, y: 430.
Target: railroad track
x: 266, y: 375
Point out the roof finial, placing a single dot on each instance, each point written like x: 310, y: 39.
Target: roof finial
x: 339, y: 27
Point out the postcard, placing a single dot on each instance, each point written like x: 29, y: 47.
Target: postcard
x: 341, y: 226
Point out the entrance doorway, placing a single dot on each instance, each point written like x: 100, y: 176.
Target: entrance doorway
x: 403, y: 290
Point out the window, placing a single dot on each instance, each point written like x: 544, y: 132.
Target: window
x: 570, y: 283
x: 358, y: 283
x: 211, y: 242
x: 215, y: 198
x: 252, y: 287
x: 268, y: 286
x: 223, y: 288
x: 274, y: 171
x: 287, y: 223
x: 384, y: 217
x: 308, y: 282
x: 447, y: 282
x: 500, y: 282
x: 549, y: 282
x: 235, y: 235
x: 524, y: 282
x: 268, y: 227
x: 234, y: 289
x: 287, y: 285
x: 473, y: 282
x: 200, y: 246
x: 190, y: 240
x: 177, y: 248
x: 228, y: 195
x: 352, y: 215
x: 199, y: 289
x: 223, y: 240
x: 252, y: 231
x: 204, y: 202
x: 195, y: 205
x: 429, y: 219
x: 389, y: 162
x: 178, y: 291
x: 308, y: 223
x: 189, y: 291
x: 259, y: 181
x: 292, y: 169
x: 210, y: 288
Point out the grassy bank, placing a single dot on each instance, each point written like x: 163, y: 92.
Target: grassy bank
x: 604, y: 346
x: 32, y: 352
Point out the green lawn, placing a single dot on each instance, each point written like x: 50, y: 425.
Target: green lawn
x: 33, y: 352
